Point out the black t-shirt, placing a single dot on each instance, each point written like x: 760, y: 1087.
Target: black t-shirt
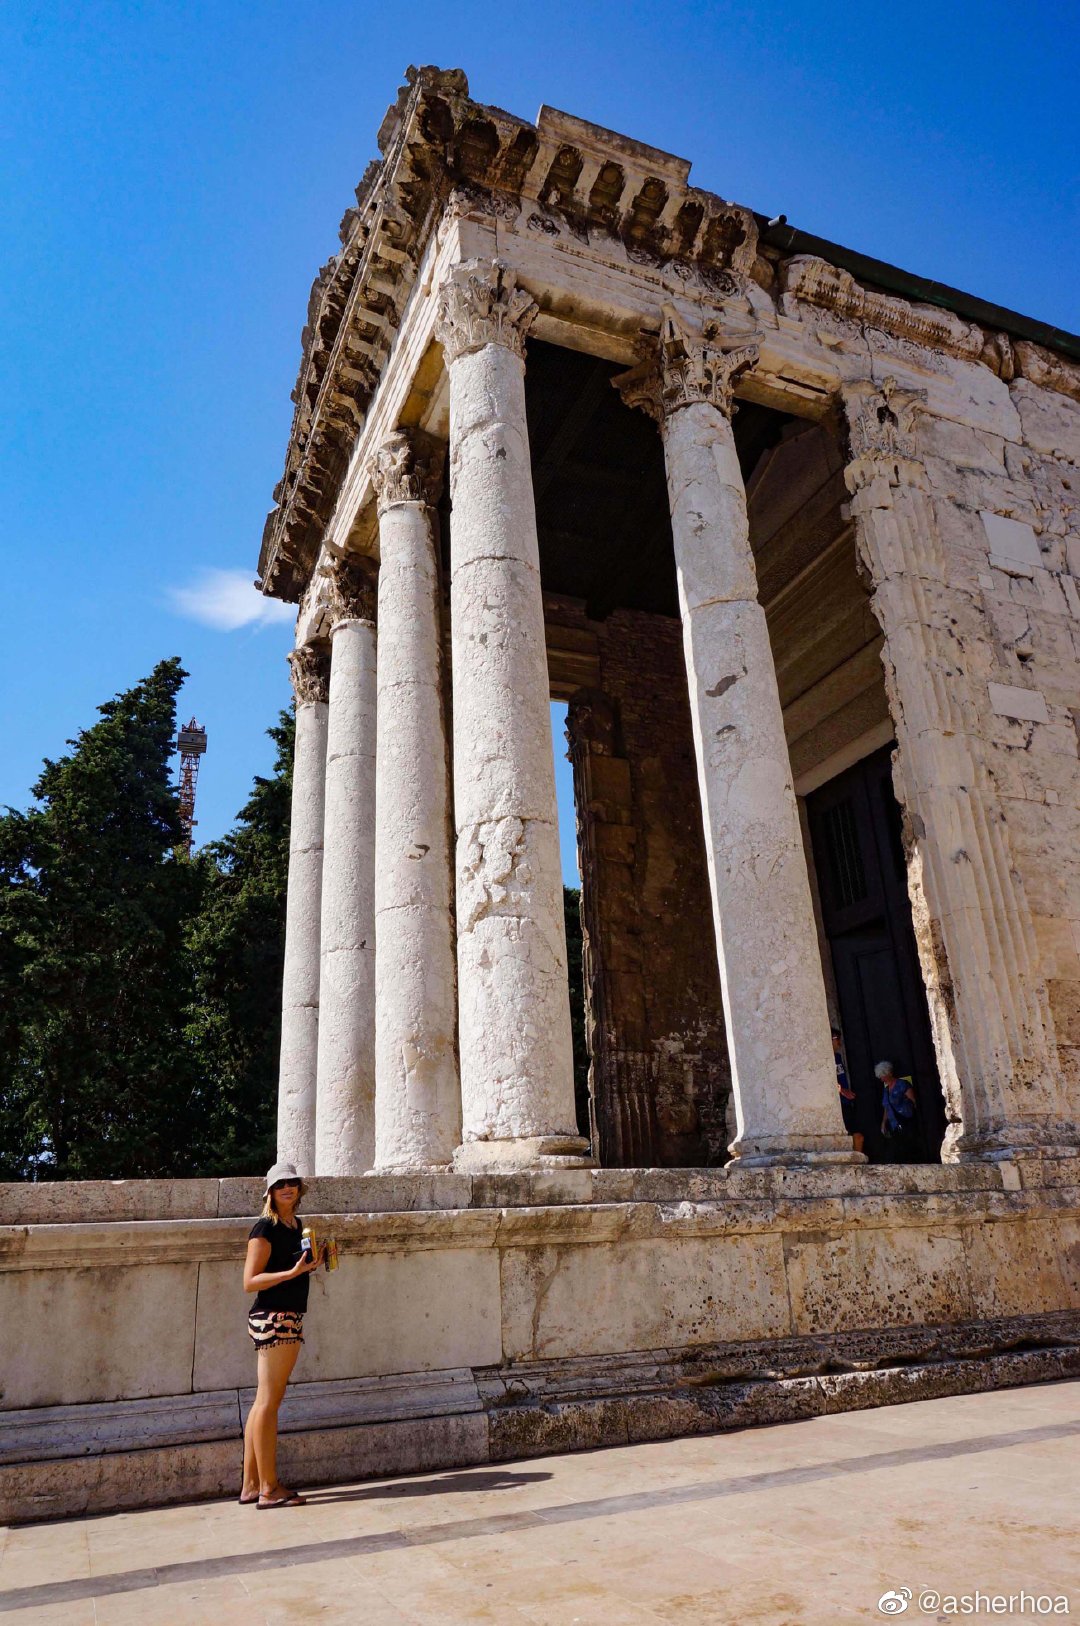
x: 285, y: 1250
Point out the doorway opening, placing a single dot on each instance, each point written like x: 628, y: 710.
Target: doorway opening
x: 855, y: 829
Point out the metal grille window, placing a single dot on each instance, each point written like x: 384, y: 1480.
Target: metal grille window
x: 845, y: 858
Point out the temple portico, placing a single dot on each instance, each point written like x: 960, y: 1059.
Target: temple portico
x: 444, y: 1030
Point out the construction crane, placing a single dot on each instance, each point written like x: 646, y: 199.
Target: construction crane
x: 191, y: 744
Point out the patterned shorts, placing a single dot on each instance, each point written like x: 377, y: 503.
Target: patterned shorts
x: 269, y: 1327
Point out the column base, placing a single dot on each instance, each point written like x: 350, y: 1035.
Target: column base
x: 393, y: 1170
x: 793, y: 1151
x: 533, y: 1152
x: 1007, y: 1143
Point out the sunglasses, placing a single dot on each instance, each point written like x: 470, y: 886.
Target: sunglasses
x: 279, y: 1185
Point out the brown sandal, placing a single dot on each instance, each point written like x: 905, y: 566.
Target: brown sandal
x: 247, y: 1501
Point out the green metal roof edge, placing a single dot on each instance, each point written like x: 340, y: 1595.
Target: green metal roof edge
x: 792, y: 241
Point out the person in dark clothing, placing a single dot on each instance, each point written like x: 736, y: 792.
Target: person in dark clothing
x: 849, y: 1105
x: 898, y: 1108
x: 276, y: 1270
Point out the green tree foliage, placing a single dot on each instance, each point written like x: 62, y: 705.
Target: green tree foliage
x: 140, y: 991
x: 97, y: 1080
x: 237, y: 946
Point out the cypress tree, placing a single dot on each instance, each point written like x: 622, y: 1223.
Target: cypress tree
x: 237, y: 946
x: 93, y: 901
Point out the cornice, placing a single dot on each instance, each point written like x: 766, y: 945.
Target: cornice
x: 204, y: 1241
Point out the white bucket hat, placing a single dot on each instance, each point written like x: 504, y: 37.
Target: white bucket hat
x: 282, y: 1171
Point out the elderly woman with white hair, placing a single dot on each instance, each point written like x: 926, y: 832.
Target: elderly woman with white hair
x: 898, y: 1108
x: 276, y: 1270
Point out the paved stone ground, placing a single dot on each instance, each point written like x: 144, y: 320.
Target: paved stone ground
x: 806, y: 1522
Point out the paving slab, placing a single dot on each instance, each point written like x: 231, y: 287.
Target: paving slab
x: 801, y: 1524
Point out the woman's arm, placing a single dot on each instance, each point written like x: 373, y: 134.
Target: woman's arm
x: 256, y: 1278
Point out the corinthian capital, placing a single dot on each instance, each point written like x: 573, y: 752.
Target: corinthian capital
x: 309, y: 669
x: 401, y: 471
x: 881, y: 422
x: 480, y: 303
x: 352, y: 590
x: 683, y: 367
x: 881, y: 418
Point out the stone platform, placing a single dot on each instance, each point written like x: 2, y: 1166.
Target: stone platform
x: 486, y: 1319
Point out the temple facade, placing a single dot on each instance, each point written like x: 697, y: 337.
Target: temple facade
x: 797, y: 546
x: 794, y: 536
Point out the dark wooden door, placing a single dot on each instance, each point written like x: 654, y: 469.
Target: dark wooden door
x: 858, y: 854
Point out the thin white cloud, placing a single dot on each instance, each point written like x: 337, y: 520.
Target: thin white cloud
x: 227, y: 600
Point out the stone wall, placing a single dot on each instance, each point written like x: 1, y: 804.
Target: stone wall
x: 1006, y: 497
x: 660, y: 1069
x: 479, y: 1319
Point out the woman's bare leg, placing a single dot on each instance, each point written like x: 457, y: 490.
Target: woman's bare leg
x: 260, y: 1432
x: 250, y: 1486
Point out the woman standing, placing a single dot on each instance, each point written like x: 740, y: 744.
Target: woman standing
x: 276, y: 1270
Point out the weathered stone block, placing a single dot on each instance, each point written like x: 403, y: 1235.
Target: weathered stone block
x: 111, y: 1332
x: 641, y: 1295
x: 1050, y: 421
x: 379, y: 1313
x: 883, y: 1278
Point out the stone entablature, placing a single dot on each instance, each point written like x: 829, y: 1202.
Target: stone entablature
x: 592, y: 192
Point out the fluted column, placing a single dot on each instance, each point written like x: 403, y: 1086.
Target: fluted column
x: 309, y: 668
x: 782, y: 1069
x: 345, y: 1121
x: 417, y: 1097
x: 993, y: 1029
x: 517, y: 1086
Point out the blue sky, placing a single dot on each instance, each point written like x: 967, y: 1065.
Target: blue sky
x: 172, y: 176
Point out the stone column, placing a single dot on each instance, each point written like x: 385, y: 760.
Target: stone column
x: 517, y: 1086
x: 417, y: 1097
x: 989, y: 1008
x: 345, y: 1121
x: 782, y: 1070
x: 309, y: 668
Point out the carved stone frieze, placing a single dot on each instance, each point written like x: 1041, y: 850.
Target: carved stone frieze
x: 403, y: 471
x: 815, y: 282
x: 562, y: 178
x: 352, y: 590
x: 480, y: 303
x: 309, y: 669
x: 683, y: 367
x: 467, y: 200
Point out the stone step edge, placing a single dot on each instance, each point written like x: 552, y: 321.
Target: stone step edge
x: 165, y: 1475
x: 41, y: 1434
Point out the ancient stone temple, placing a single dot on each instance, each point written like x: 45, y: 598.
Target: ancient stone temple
x: 795, y: 536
